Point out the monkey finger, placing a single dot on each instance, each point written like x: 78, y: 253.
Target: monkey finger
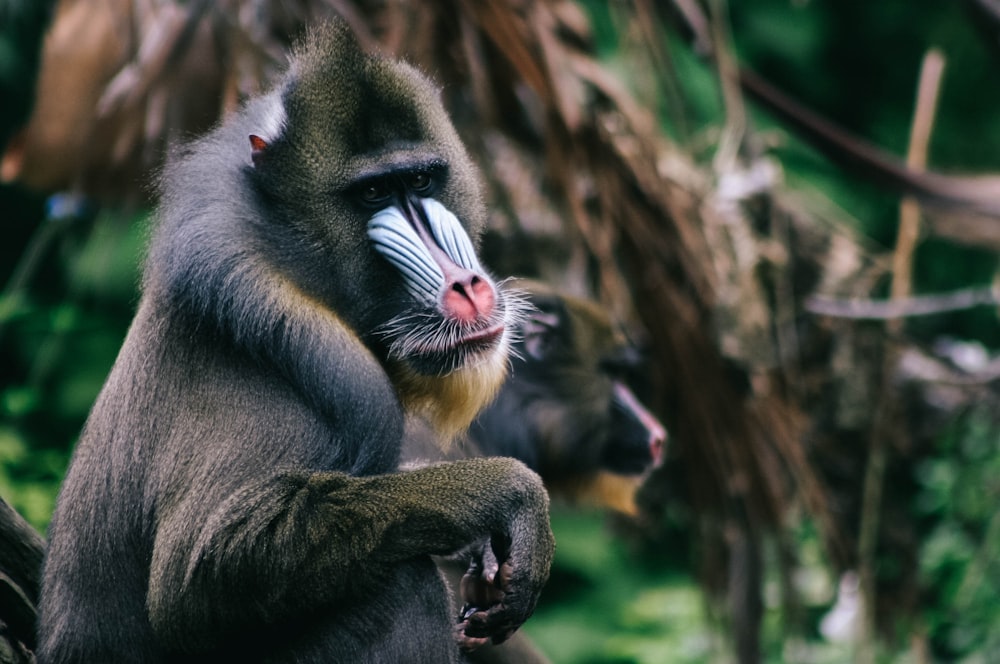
x: 484, y: 582
x: 466, y: 642
x: 474, y: 570
x: 490, y: 564
x: 474, y: 623
x: 477, y: 591
x: 467, y: 612
x: 494, y: 625
x: 504, y: 575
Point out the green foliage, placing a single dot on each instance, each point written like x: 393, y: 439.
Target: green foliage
x: 960, y: 554
x: 61, y: 333
x: 29, y: 480
x: 851, y: 62
x: 604, y: 606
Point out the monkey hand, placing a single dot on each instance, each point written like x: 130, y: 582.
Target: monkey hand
x: 500, y: 590
x: 481, y: 590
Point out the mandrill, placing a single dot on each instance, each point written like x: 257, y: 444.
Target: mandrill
x: 235, y: 494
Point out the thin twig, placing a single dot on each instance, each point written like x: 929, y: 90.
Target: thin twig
x: 916, y: 158
x: 734, y: 131
x: 904, y: 307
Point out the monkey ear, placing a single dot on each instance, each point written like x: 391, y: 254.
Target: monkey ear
x: 257, y: 147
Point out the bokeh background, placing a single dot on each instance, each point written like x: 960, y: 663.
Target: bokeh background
x: 792, y: 205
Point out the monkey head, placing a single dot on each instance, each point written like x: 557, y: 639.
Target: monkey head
x: 356, y: 154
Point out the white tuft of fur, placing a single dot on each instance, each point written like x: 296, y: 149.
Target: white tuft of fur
x: 273, y: 122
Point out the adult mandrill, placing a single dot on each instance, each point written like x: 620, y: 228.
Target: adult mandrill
x: 235, y: 494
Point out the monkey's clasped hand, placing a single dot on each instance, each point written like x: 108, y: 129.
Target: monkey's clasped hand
x: 492, y: 610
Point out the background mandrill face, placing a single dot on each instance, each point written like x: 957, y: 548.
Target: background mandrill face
x: 567, y: 410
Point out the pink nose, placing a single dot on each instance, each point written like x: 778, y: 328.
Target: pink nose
x: 468, y: 297
x: 657, y: 441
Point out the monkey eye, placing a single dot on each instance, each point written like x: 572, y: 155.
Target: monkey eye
x: 539, y: 332
x: 420, y: 182
x: 374, y: 193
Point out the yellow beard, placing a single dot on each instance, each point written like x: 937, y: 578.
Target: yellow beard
x: 450, y: 403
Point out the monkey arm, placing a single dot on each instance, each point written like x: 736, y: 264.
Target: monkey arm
x: 340, y: 536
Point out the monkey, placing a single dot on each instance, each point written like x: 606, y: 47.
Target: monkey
x: 235, y: 494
